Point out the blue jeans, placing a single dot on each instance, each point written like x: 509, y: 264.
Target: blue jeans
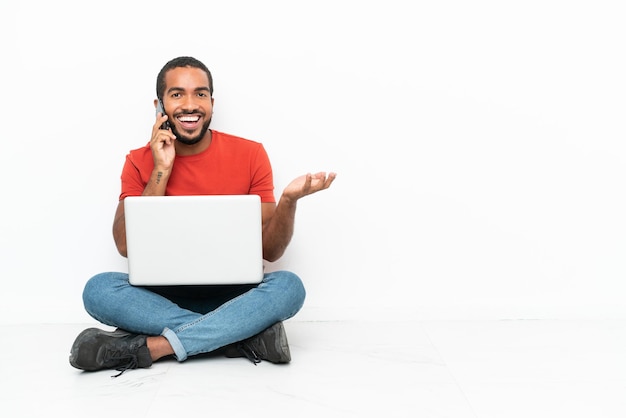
x: 197, y: 319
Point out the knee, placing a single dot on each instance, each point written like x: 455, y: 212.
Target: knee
x: 291, y: 287
x: 99, y: 286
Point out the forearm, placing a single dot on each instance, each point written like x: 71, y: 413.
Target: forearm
x: 119, y: 229
x: 157, y: 184
x: 277, y: 232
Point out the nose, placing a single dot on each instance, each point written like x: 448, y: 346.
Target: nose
x: 189, y: 103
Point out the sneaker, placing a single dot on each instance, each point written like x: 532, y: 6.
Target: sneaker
x: 270, y: 345
x: 95, y: 349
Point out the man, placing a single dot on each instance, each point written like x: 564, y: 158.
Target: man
x: 185, y: 157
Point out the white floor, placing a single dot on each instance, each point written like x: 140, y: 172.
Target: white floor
x: 478, y: 369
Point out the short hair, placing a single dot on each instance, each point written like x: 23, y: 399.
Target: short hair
x: 180, y: 62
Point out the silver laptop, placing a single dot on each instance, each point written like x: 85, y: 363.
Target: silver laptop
x: 194, y: 240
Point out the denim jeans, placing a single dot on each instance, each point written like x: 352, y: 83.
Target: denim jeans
x: 197, y: 319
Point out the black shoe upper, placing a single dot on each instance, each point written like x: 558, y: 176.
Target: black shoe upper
x: 270, y: 345
x: 95, y: 349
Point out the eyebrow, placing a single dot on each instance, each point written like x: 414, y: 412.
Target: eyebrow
x: 178, y: 89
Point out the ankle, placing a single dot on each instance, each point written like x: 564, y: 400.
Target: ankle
x: 159, y: 347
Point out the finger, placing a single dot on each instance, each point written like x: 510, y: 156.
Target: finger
x: 308, y: 180
x: 161, y: 118
x: 324, y: 181
x: 162, y: 137
x: 329, y: 180
x: 320, y: 175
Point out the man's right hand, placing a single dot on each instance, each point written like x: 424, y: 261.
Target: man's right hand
x: 162, y: 145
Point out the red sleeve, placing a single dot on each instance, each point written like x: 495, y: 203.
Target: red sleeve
x: 136, y: 172
x: 262, y: 182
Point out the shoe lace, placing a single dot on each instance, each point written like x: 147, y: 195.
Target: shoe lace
x: 127, y: 360
x: 247, y: 351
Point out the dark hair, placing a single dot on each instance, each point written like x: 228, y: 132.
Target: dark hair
x: 180, y: 62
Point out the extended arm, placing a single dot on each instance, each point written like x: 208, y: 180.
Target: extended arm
x: 278, y: 220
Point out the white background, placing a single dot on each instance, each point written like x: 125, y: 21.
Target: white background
x: 479, y: 146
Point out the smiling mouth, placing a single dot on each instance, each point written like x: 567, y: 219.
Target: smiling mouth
x: 188, y: 122
x: 188, y: 119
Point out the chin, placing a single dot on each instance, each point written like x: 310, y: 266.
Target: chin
x: 189, y: 141
x: 192, y: 140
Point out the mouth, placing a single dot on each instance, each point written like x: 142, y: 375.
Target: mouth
x: 189, y: 122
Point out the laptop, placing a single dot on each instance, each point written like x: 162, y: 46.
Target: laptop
x: 194, y: 240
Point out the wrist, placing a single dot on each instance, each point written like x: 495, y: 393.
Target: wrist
x: 160, y: 176
x: 287, y: 200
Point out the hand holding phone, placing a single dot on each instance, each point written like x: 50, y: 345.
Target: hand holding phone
x: 161, y: 109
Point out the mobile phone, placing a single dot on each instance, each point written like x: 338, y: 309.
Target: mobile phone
x: 161, y: 109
